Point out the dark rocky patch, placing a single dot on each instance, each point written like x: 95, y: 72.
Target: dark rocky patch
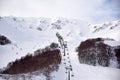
x: 4, y: 40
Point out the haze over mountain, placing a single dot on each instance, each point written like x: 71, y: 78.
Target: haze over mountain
x: 95, y: 11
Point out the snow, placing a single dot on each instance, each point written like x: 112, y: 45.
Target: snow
x: 26, y: 39
x: 107, y: 32
x: 112, y: 43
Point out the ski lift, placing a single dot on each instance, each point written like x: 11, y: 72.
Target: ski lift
x: 72, y: 75
x: 65, y: 63
x: 67, y: 53
x: 69, y: 61
x: 64, y: 59
x: 68, y: 57
x: 65, y: 44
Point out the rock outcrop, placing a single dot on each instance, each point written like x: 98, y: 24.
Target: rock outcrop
x: 4, y: 40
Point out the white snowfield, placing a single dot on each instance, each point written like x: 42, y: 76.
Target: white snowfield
x: 30, y: 34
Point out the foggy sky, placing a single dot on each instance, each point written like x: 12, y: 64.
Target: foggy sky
x: 87, y: 10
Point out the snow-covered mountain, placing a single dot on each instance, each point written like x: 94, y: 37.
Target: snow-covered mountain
x: 30, y: 34
x: 108, y: 29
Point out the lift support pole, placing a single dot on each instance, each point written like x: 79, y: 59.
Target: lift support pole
x: 68, y: 74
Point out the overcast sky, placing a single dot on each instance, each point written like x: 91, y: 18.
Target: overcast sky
x: 87, y: 10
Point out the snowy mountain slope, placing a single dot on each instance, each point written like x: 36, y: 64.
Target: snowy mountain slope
x: 26, y: 38
x: 109, y: 29
x: 24, y: 33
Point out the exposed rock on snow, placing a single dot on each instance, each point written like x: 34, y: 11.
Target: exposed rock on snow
x: 96, y: 52
x: 4, y: 40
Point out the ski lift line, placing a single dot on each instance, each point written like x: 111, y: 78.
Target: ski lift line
x: 70, y: 70
x: 66, y: 57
